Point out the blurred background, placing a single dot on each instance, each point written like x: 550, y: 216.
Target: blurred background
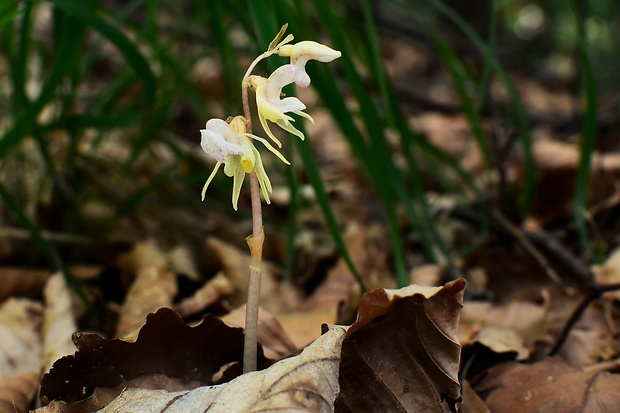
x: 445, y: 125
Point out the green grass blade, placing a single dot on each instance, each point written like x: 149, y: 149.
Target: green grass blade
x: 517, y: 104
x: 312, y: 170
x: 47, y: 249
x: 589, y: 128
x: 8, y: 11
x: 129, y: 50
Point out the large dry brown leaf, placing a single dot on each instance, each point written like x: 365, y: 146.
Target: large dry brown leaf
x: 305, y: 383
x: 403, y: 353
x: 550, y: 385
x: 165, y: 345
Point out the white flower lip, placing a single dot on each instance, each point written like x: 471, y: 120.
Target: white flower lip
x: 301, y: 52
x: 219, y: 140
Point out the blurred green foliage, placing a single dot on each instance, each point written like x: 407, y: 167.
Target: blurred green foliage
x: 100, y: 104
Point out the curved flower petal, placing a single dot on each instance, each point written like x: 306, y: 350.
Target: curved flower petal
x: 204, y: 188
x: 271, y: 107
x: 301, y: 52
x: 219, y: 140
x: 263, y: 179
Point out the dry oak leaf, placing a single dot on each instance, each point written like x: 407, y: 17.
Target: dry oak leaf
x: 305, y: 383
x: 550, y: 385
x: 402, y: 354
x: 209, y: 353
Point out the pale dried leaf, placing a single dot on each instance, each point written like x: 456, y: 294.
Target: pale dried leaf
x: 271, y: 335
x: 303, y: 327
x: 472, y: 403
x: 527, y: 319
x: 58, y: 321
x: 502, y: 340
x: 235, y: 264
x: 208, y: 294
x: 609, y: 273
x: 16, y: 392
x: 305, y: 383
x: 181, y: 262
x: 143, y: 255
x: 152, y: 289
x: 20, y: 346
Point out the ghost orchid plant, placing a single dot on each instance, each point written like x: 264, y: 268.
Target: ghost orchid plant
x: 231, y: 143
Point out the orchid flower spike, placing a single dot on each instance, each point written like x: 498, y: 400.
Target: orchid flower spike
x: 271, y: 107
x: 301, y: 52
x: 228, y: 144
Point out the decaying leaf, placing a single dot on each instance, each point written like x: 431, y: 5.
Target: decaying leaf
x: 152, y: 289
x: 17, y: 391
x: 21, y: 281
x: 58, y: 321
x: 276, y: 343
x: 235, y: 265
x: 20, y: 353
x: 550, y: 385
x: 208, y: 294
x: 305, y: 383
x: 20, y: 343
x: 206, y: 354
x: 402, y: 354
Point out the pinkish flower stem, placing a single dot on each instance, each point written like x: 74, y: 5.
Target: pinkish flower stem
x: 255, y: 242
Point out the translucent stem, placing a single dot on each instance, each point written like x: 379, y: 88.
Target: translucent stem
x: 255, y: 242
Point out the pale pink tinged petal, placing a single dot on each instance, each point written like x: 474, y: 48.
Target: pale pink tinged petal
x: 282, y: 76
x: 222, y: 128
x: 291, y: 104
x: 302, y: 79
x: 301, y: 52
x: 204, y: 188
x: 216, y: 146
x: 314, y: 51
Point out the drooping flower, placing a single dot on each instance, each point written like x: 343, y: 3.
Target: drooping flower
x: 271, y: 107
x: 228, y: 144
x: 301, y: 52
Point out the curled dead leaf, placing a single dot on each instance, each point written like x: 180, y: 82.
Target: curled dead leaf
x: 402, y: 354
x: 165, y: 345
x: 305, y: 383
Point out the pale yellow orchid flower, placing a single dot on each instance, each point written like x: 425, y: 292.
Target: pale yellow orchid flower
x: 271, y: 107
x: 301, y: 52
x: 228, y: 144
